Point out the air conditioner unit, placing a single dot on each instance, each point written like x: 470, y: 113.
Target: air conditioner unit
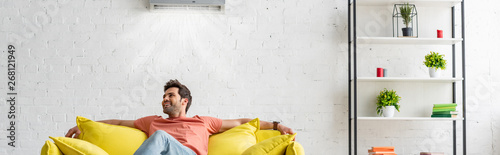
x: 211, y: 6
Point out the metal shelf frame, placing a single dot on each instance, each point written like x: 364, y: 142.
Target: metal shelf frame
x: 353, y: 77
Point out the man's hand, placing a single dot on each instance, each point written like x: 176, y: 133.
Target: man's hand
x: 284, y: 130
x: 73, y: 132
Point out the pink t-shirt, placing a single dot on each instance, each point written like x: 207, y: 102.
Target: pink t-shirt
x: 191, y: 132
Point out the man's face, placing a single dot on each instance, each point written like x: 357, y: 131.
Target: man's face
x: 172, y: 102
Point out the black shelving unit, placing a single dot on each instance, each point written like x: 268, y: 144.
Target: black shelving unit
x: 353, y: 76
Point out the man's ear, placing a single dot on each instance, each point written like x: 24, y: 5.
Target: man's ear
x: 184, y: 101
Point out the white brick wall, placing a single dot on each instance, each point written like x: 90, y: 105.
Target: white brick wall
x: 276, y: 60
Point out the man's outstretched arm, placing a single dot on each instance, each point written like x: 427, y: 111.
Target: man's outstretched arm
x: 74, y: 132
x: 231, y: 123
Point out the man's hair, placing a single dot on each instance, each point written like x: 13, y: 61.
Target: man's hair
x: 183, y: 90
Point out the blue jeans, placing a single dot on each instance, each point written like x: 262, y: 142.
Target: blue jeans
x: 163, y: 143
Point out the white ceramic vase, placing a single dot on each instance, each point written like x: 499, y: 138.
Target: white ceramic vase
x: 434, y: 73
x: 388, y: 111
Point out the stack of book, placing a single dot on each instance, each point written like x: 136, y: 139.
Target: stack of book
x: 445, y: 110
x: 382, y: 150
x: 431, y: 153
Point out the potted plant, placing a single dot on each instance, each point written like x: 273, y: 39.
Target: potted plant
x: 436, y: 63
x: 387, y: 102
x: 405, y: 11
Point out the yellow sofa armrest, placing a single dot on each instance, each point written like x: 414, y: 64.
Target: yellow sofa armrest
x: 295, y: 148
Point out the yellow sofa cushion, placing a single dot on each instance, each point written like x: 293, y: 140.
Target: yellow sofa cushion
x: 272, y: 146
x: 113, y: 139
x: 234, y: 141
x: 50, y: 149
x: 72, y: 146
x: 294, y: 149
x: 266, y: 134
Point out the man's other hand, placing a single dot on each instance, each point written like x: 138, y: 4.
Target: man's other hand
x: 73, y: 132
x: 284, y: 130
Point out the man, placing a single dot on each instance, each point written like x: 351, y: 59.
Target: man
x: 179, y: 134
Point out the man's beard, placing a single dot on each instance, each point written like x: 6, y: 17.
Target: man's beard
x: 172, y: 109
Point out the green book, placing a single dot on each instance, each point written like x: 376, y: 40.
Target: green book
x: 444, y: 112
x: 445, y: 105
x: 445, y: 115
x: 449, y: 109
x: 444, y: 108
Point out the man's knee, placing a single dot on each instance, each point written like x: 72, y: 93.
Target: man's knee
x: 160, y: 132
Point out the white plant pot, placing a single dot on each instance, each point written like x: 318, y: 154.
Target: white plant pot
x: 434, y: 73
x: 388, y: 111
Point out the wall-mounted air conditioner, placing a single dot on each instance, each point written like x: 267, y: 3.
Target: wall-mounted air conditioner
x: 212, y: 6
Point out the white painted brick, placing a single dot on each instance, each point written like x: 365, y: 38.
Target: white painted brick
x: 112, y: 92
x: 249, y: 44
x: 87, y: 44
x: 32, y: 77
x: 111, y: 60
x: 10, y: 12
x: 84, y: 61
x: 109, y: 28
x: 70, y: 52
x: 98, y: 4
x: 46, y: 101
x: 59, y: 76
x: 57, y: 61
x: 10, y: 26
x: 60, y: 92
x: 57, y: 31
x: 111, y: 20
x: 58, y: 17
x: 41, y: 52
x: 110, y: 44
x: 81, y: 28
x: 30, y: 68
x: 83, y: 69
x: 59, y: 118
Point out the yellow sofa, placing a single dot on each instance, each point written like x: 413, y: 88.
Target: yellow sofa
x: 102, y: 139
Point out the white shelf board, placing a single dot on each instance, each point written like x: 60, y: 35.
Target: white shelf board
x: 408, y: 119
x: 418, y: 3
x: 411, y: 41
x: 407, y: 79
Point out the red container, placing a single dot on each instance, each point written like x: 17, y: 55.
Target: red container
x: 380, y: 72
x: 440, y: 33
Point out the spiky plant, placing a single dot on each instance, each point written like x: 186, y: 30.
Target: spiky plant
x: 405, y: 10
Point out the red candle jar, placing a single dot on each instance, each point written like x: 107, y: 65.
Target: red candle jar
x: 440, y: 33
x: 380, y: 72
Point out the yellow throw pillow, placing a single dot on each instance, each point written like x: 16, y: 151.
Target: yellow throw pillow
x: 113, y: 139
x: 295, y: 149
x: 50, y: 149
x: 266, y: 134
x: 272, y: 146
x: 235, y: 140
x: 72, y: 146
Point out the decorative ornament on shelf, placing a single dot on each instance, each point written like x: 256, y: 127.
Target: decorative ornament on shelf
x: 387, y: 102
x: 439, y: 33
x: 405, y: 14
x: 436, y: 63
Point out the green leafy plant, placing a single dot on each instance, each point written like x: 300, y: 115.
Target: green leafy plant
x: 405, y: 11
x: 435, y: 60
x: 387, y: 98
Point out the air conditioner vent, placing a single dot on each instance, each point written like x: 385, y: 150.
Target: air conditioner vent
x: 208, y: 6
